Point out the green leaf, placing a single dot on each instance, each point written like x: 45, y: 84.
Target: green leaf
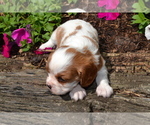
x: 23, y: 43
x: 49, y: 27
x: 37, y: 28
x: 25, y: 49
x: 141, y: 3
x: 35, y: 33
x: 37, y: 39
x: 2, y: 25
x: 139, y: 18
x: 46, y: 36
x: 139, y: 6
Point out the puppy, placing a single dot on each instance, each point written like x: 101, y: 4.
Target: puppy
x: 76, y: 62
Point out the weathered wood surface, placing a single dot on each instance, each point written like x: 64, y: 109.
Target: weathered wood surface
x: 74, y: 118
x: 23, y: 90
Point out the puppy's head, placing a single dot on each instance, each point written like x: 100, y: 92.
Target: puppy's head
x: 67, y: 67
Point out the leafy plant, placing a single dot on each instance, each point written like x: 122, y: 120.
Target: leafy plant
x: 41, y: 25
x: 141, y: 7
x: 141, y: 18
x: 31, y: 6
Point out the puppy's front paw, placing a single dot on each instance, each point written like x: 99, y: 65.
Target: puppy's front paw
x: 77, y: 93
x: 104, y: 90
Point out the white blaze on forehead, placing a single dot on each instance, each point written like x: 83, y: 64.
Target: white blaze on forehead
x: 60, y: 60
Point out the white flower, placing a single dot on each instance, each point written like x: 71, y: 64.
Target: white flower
x: 147, y: 32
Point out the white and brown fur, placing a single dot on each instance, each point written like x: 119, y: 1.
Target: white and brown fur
x: 77, y: 61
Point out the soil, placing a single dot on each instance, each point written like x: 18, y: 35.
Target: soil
x: 117, y: 36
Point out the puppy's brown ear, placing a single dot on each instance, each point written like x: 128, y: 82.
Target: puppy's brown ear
x: 87, y: 73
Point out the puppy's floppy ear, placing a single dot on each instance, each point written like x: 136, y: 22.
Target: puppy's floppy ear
x: 87, y: 73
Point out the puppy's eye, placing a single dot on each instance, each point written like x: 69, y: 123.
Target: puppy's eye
x: 60, y: 79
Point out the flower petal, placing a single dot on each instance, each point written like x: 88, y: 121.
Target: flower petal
x: 102, y: 3
x: 101, y: 15
x: 5, y: 38
x: 112, y: 16
x: 39, y: 51
x: 20, y: 35
x: 17, y: 32
x: 9, y: 47
x: 29, y: 40
x: 6, y: 51
x: 108, y: 16
x: 109, y: 4
x: 6, y: 47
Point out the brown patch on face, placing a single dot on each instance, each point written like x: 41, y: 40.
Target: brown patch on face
x: 93, y: 41
x: 85, y: 66
x: 68, y: 76
x: 48, y: 61
x: 59, y: 35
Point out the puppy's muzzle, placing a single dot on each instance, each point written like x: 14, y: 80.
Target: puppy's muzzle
x: 49, y: 86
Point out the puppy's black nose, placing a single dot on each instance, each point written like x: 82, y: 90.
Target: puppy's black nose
x: 49, y: 86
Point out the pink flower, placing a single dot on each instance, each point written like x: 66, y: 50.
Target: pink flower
x: 108, y: 16
x: 109, y: 4
x: 21, y: 35
x: 40, y: 52
x: 7, y: 46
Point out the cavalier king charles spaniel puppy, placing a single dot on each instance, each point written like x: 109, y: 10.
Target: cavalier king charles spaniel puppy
x: 76, y: 62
